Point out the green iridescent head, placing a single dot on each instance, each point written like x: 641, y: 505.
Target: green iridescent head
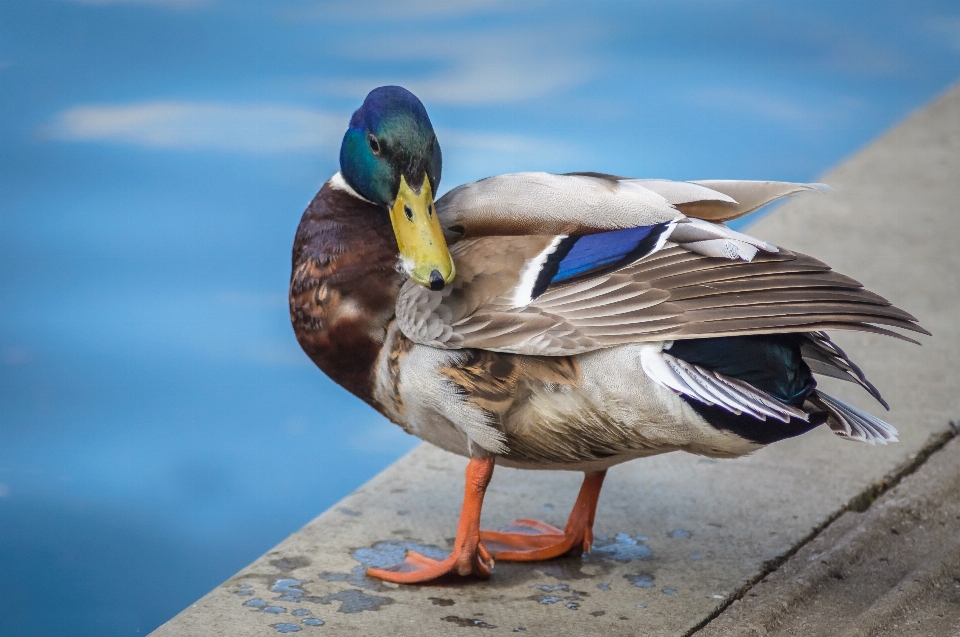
x: 390, y: 136
x: 390, y: 156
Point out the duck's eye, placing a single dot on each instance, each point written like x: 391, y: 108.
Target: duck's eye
x: 374, y: 144
x: 407, y: 211
x: 430, y: 210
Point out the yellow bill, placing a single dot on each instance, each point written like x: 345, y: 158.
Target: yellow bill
x: 423, y: 249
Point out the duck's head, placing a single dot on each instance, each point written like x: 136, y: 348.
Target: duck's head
x: 390, y: 156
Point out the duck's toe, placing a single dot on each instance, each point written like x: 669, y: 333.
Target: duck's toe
x: 418, y: 569
x: 532, y: 540
x: 528, y: 540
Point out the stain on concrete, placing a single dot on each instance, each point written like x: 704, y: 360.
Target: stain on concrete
x: 300, y: 612
x: 391, y: 553
x: 286, y: 628
x: 381, y: 555
x: 604, y: 586
x: 286, y: 564
x: 564, y: 568
x: 273, y: 610
x: 256, y: 602
x: 640, y: 580
x: 313, y: 621
x: 244, y: 590
x: 467, y: 622
x: 571, y: 599
x: 680, y: 534
x: 623, y: 548
x: 290, y: 591
x: 356, y: 601
x: 350, y: 512
x: 669, y: 591
x: 439, y: 601
x: 599, y: 613
x: 357, y: 577
x: 548, y: 599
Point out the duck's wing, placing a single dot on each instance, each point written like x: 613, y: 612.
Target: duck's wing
x: 564, y: 295
x: 583, y: 203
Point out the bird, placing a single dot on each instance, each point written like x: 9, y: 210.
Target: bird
x: 564, y: 321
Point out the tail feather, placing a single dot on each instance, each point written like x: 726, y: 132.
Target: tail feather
x: 851, y: 423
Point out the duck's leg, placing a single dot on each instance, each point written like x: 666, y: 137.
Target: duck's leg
x: 532, y: 540
x: 469, y: 557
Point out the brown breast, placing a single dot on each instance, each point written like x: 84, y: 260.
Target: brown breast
x: 344, y: 285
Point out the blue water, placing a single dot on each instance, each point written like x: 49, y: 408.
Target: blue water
x: 159, y: 428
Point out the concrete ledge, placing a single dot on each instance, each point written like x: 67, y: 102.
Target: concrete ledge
x: 891, y: 570
x: 679, y: 537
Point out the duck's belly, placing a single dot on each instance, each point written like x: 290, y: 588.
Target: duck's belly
x: 612, y: 413
x: 615, y: 414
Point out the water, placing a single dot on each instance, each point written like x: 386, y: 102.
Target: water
x: 641, y: 580
x: 159, y: 428
x: 623, y: 548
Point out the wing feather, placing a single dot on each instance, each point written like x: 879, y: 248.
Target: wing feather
x: 537, y: 203
x: 671, y: 294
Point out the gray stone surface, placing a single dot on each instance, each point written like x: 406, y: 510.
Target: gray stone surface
x: 893, y: 224
x: 891, y: 570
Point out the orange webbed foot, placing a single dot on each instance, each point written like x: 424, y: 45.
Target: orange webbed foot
x: 469, y: 556
x: 532, y: 540
x: 417, y: 568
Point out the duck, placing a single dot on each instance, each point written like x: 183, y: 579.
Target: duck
x: 565, y: 321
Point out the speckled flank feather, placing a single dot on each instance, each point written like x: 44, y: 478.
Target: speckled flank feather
x: 539, y: 412
x: 411, y: 386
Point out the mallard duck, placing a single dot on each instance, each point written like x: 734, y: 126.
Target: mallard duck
x: 572, y: 321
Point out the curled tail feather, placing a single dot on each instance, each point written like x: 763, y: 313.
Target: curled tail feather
x: 851, y: 423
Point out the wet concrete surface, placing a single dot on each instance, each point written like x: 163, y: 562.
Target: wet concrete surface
x: 681, y: 538
x: 893, y: 569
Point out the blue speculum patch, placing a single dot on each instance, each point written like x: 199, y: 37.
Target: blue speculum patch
x: 581, y: 255
x: 607, y: 249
